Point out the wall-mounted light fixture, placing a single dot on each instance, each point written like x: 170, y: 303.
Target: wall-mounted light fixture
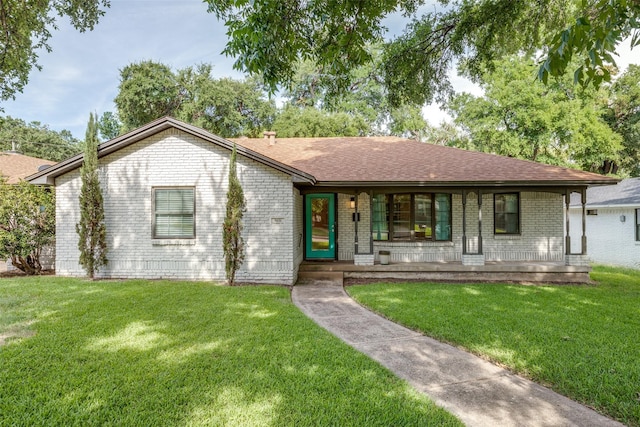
x: 352, y: 202
x: 623, y: 218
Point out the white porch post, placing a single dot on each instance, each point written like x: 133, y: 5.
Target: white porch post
x: 478, y: 257
x: 578, y: 258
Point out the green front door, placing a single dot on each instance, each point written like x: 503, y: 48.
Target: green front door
x: 320, y: 230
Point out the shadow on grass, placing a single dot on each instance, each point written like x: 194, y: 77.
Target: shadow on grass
x: 163, y: 353
x: 580, y: 340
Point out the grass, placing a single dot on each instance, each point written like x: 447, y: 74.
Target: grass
x: 583, y: 341
x: 182, y: 353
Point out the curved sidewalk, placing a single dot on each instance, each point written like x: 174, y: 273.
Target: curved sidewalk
x: 476, y: 391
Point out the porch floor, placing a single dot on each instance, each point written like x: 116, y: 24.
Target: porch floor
x: 492, y: 271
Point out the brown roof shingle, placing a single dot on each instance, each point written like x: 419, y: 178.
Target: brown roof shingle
x: 396, y: 160
x: 17, y: 166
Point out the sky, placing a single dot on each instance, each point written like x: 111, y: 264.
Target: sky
x: 82, y: 73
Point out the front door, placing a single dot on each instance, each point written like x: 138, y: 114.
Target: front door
x: 320, y: 233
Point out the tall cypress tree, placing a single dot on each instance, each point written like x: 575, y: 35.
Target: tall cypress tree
x: 232, y: 241
x: 91, y: 229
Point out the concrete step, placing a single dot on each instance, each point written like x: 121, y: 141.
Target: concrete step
x: 307, y: 277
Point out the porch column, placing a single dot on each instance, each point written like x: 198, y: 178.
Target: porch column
x: 476, y: 258
x: 567, y: 239
x: 464, y: 222
x: 360, y: 258
x: 370, y: 221
x: 577, y: 258
x: 479, y: 222
x: 355, y: 224
x: 583, y: 198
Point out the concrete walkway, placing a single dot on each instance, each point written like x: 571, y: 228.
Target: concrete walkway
x: 476, y: 391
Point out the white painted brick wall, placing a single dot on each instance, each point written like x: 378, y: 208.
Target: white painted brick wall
x: 541, y: 237
x: 541, y: 230
x: 173, y: 158
x: 346, y: 226
x: 298, y: 230
x: 609, y: 241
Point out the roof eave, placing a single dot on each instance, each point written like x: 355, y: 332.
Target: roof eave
x: 47, y: 177
x: 553, y: 183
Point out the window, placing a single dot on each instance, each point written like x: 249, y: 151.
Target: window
x: 506, y: 213
x: 411, y: 216
x: 637, y: 225
x: 592, y: 211
x: 174, y: 210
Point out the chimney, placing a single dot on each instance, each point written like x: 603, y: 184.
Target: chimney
x: 271, y: 136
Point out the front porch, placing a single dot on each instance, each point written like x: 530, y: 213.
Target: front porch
x: 453, y: 271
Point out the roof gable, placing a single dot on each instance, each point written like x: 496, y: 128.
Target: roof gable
x: 48, y: 176
x: 16, y: 166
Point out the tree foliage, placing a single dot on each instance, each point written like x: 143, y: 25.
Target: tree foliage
x: 27, y: 224
x: 232, y: 241
x: 521, y: 117
x: 37, y: 140
x: 25, y: 29
x: 92, y: 232
x: 294, y: 122
x: 623, y: 116
x: 229, y: 108
x: 269, y: 38
x: 363, y: 106
x: 109, y: 125
x: 591, y: 41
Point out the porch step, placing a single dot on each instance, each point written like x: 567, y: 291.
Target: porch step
x: 307, y: 277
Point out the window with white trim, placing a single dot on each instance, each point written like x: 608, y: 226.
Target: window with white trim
x: 174, y: 212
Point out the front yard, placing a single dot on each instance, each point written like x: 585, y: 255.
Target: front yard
x: 582, y: 341
x: 76, y: 352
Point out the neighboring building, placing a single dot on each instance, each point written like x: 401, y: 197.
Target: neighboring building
x: 15, y: 166
x: 613, y: 223
x: 344, y: 199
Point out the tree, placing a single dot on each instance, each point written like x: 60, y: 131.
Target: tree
x: 36, y: 140
x: 25, y: 32
x: 521, y: 117
x: 148, y: 90
x: 227, y: 107
x: 92, y: 233
x: 224, y: 106
x: 294, y: 122
x: 232, y: 241
x: 109, y: 125
x: 623, y: 115
x: 27, y: 224
x: 268, y: 38
x: 364, y: 103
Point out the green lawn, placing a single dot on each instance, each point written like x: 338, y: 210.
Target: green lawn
x: 182, y: 353
x: 583, y: 341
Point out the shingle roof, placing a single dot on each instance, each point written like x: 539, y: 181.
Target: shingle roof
x: 17, y: 166
x: 396, y: 160
x: 366, y: 161
x: 625, y: 193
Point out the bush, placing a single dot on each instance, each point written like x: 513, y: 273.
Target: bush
x: 27, y: 224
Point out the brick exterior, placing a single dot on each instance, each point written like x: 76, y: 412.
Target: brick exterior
x: 272, y: 222
x: 540, y: 239
x: 609, y: 240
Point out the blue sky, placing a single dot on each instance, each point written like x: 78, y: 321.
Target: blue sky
x: 81, y: 74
